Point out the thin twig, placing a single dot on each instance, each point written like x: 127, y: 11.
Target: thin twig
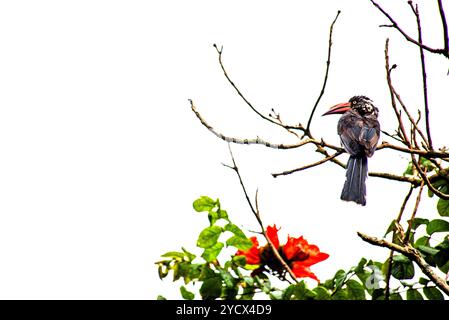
x: 444, y: 23
x: 410, y: 118
x: 249, y: 104
x: 393, y: 101
x: 412, y: 218
x: 406, y: 36
x: 317, y: 163
x: 328, y: 63
x: 424, y: 75
x: 390, y: 257
x: 413, y: 255
x: 256, y: 213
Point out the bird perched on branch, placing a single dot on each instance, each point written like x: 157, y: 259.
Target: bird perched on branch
x: 359, y: 133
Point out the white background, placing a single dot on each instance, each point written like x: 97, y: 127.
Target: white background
x: 101, y: 156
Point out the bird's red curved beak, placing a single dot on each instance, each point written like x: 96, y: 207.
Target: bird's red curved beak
x: 338, y: 108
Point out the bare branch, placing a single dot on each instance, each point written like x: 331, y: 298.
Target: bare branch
x: 328, y: 63
x: 424, y: 75
x: 394, y: 24
x: 390, y: 258
x: 412, y: 218
x: 444, y: 23
x: 269, y: 119
x: 256, y: 213
x: 275, y: 175
x: 413, y: 255
x: 411, y: 119
x: 250, y: 141
x: 393, y: 101
x: 423, y: 153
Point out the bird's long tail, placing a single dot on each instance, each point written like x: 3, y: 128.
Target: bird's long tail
x: 356, y: 172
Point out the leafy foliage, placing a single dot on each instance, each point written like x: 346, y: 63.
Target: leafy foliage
x: 230, y: 277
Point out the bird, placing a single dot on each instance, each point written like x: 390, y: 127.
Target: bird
x: 359, y: 132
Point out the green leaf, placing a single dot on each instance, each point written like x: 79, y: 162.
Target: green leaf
x: 444, y: 267
x: 211, y: 288
x: 211, y: 253
x: 339, y: 279
x: 159, y: 297
x: 204, y: 203
x: 432, y: 293
x: 186, y: 294
x: 227, y: 278
x: 427, y: 164
x: 217, y: 215
x: 437, y: 225
x: 378, y: 294
x: 391, y: 227
x: 413, y: 294
x: 301, y: 292
x: 207, y: 273
x: 419, y: 221
x: 395, y: 296
x: 209, y: 236
x: 234, y: 229
x: 193, y: 273
x: 355, y: 290
x: 163, y: 270
x: 409, y: 170
x: 340, y: 295
x: 441, y: 185
x: 428, y: 250
x: 423, y: 241
x: 174, y: 254
x: 402, y: 267
x: 443, y: 207
x: 240, y: 243
x: 321, y: 293
x: 239, y: 260
x: 190, y: 256
x: 423, y: 281
x: 360, y: 265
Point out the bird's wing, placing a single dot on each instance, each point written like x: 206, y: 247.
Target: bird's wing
x: 369, y: 136
x: 350, y: 129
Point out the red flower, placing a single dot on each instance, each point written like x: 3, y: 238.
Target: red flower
x: 297, y: 253
x: 252, y: 255
x: 301, y: 255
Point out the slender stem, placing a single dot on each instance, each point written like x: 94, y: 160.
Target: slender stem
x: 424, y: 74
x: 256, y: 212
x: 444, y: 23
x: 406, y: 36
x: 317, y: 163
x: 328, y: 63
x: 390, y: 258
x: 412, y: 218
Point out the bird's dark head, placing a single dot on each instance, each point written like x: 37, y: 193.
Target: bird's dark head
x: 360, y: 104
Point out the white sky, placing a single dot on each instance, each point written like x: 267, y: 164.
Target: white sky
x: 101, y: 157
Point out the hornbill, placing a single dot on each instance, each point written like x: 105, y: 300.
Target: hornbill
x: 359, y: 133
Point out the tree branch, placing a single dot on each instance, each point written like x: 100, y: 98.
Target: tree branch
x: 249, y: 104
x: 328, y: 63
x: 390, y: 258
x: 275, y: 175
x: 256, y: 213
x: 394, y: 24
x: 444, y: 23
x: 413, y: 255
x: 412, y: 218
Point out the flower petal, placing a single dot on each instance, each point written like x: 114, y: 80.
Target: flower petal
x: 272, y: 233
x: 302, y: 271
x: 252, y: 255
